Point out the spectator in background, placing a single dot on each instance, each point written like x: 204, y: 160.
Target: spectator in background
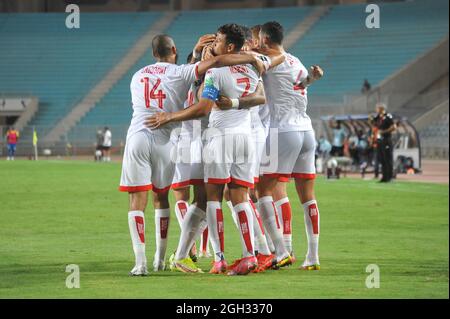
x: 339, y: 136
x: 99, y: 145
x: 323, y: 148
x: 365, y: 87
x: 386, y: 126
x: 353, y: 149
x: 107, y: 139
x: 12, y: 136
x: 362, y: 146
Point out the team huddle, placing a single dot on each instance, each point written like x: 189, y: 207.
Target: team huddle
x: 231, y: 124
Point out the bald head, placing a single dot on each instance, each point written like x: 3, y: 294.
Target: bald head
x: 163, y: 46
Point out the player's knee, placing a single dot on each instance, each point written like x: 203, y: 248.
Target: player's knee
x: 305, y: 189
x: 161, y: 200
x: 138, y: 201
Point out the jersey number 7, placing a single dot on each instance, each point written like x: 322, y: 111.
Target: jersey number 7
x: 150, y: 94
x: 246, y: 81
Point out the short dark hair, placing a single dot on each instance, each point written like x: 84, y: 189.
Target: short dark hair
x: 274, y: 31
x: 162, y: 45
x: 234, y: 34
x: 247, y: 32
x: 189, y: 58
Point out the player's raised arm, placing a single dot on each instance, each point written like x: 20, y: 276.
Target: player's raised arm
x: 200, y: 109
x: 229, y: 60
x: 254, y: 99
x: 203, y: 107
x: 276, y: 57
x: 202, y: 42
x: 315, y: 73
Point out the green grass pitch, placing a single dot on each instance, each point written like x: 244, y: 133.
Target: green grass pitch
x: 54, y: 213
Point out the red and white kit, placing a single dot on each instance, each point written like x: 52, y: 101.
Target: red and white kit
x: 189, y: 164
x: 229, y: 153
x: 287, y: 104
x: 147, y: 161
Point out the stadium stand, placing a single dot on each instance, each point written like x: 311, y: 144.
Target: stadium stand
x: 339, y: 41
x: 115, y: 107
x: 434, y: 138
x: 61, y: 63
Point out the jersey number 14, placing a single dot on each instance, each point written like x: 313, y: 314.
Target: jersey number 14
x: 150, y: 94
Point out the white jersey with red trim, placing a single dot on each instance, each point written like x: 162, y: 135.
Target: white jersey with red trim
x: 159, y: 87
x: 264, y: 115
x: 187, y: 127
x: 234, y: 82
x: 287, y: 102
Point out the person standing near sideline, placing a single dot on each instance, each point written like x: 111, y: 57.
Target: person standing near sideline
x: 107, y: 138
x: 339, y: 137
x: 12, y: 136
x: 386, y: 126
x: 99, y: 145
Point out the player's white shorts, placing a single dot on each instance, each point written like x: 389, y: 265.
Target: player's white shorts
x: 229, y: 159
x: 147, y: 163
x: 259, y: 137
x: 189, y: 164
x: 295, y: 155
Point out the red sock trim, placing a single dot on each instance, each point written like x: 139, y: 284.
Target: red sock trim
x: 313, y: 213
x: 220, y: 228
x: 276, y: 215
x: 140, y: 227
x: 163, y: 226
x: 243, y: 225
x: 182, y: 207
x: 205, y: 239
x: 286, y: 214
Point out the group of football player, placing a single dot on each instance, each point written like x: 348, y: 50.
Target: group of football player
x: 244, y: 135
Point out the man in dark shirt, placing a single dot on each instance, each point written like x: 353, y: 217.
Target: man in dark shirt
x: 385, y: 124
x: 365, y: 87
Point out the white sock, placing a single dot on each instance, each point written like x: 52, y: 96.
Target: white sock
x: 312, y: 225
x: 233, y: 213
x: 136, y: 223
x: 214, y: 217
x: 272, y: 225
x: 285, y: 217
x: 245, y: 218
x: 162, y: 218
x: 269, y: 241
x: 181, y: 208
x: 260, y: 238
x: 194, y: 220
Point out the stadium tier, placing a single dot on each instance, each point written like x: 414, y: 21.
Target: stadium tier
x: 115, y: 107
x: 349, y: 52
x: 62, y: 64
x: 435, y: 138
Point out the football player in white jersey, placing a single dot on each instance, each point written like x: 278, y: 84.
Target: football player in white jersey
x: 285, y: 86
x: 193, y: 222
x: 229, y: 151
x: 147, y: 163
x: 263, y: 253
x: 280, y: 196
x: 188, y: 168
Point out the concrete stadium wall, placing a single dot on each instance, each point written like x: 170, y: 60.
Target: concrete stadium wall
x: 402, y: 86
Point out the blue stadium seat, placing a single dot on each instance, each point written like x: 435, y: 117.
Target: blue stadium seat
x: 41, y: 57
